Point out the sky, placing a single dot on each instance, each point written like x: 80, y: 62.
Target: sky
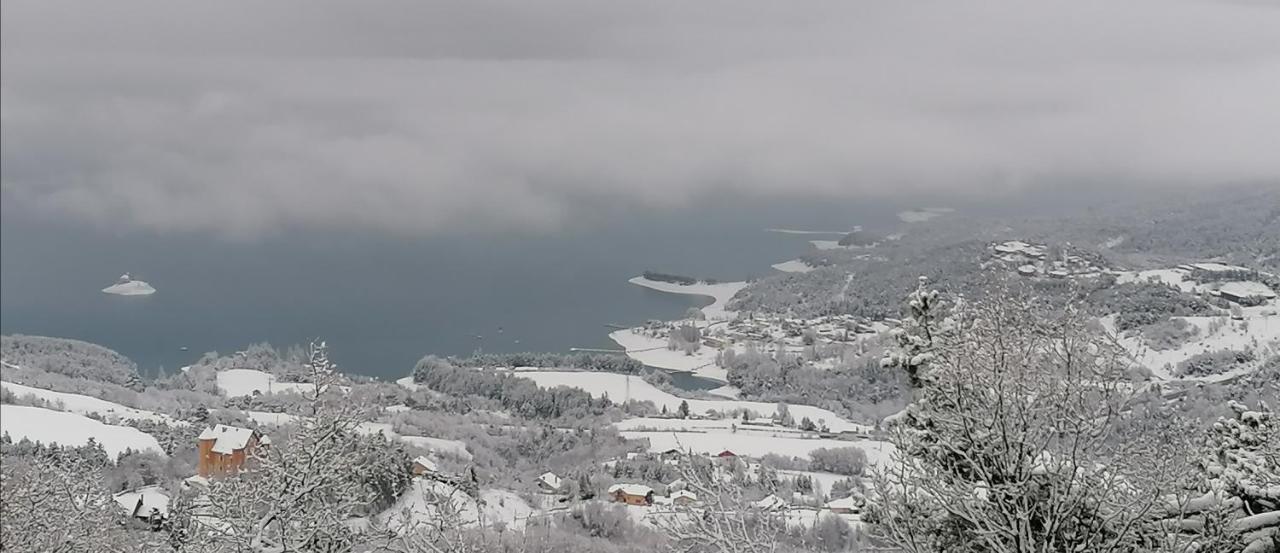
x: 243, y: 119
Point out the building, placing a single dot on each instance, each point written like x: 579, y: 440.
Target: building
x: 1247, y: 293
x: 726, y: 454
x: 149, y: 503
x: 683, y: 498
x: 423, y: 465
x: 631, y: 494
x: 772, y: 503
x: 549, y: 482
x: 847, y: 506
x: 224, y: 449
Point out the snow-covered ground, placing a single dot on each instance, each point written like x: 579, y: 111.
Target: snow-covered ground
x: 86, y: 405
x: 1257, y: 330
x: 420, y: 505
x: 793, y: 266
x: 653, y: 352
x: 754, y: 445
x: 621, y: 387
x: 453, y: 447
x: 244, y: 382
x: 130, y: 288
x: 56, y: 427
x: 720, y: 292
x: 726, y: 391
x: 923, y: 214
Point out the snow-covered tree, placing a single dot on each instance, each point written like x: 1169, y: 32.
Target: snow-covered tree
x: 56, y: 502
x: 723, y: 520
x: 1013, y: 442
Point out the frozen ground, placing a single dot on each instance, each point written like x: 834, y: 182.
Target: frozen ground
x: 754, y: 445
x: 420, y: 505
x: 1257, y: 330
x: 69, y: 429
x: 653, y: 352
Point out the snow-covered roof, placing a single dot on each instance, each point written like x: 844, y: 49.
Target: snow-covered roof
x: 426, y: 463
x: 152, y: 497
x: 550, y: 479
x: 631, y: 489
x: 1218, y: 267
x: 845, y: 503
x: 771, y: 502
x: 228, y: 438
x: 684, y: 493
x: 1246, y: 289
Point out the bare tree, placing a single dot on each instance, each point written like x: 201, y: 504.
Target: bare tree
x: 723, y: 520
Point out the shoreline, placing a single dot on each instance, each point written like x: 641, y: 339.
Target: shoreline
x: 720, y: 294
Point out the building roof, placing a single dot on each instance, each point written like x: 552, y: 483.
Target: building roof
x: 846, y: 503
x: 771, y: 502
x: 684, y: 493
x: 550, y: 479
x: 1247, y: 289
x: 426, y: 463
x: 228, y: 438
x: 631, y: 489
x: 151, y: 497
x: 726, y: 453
x: 1218, y: 267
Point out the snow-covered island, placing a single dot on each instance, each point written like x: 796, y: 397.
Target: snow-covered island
x: 127, y: 286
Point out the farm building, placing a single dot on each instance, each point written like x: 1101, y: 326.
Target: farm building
x: 1246, y: 293
x: 848, y: 505
x: 224, y: 449
x: 631, y: 494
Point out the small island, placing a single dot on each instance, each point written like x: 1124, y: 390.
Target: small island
x: 126, y: 286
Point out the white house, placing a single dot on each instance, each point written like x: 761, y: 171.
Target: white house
x: 549, y: 482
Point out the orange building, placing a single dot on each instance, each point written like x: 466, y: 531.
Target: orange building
x: 224, y: 449
x: 631, y: 494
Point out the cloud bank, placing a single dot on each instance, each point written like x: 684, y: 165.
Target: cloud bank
x: 243, y: 118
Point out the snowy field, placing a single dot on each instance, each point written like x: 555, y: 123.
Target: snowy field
x: 826, y: 244
x: 654, y: 353
x: 721, y: 293
x: 419, y: 505
x: 754, y: 445
x: 621, y: 387
x: 69, y: 429
x: 793, y: 266
x: 452, y: 447
x: 244, y: 382
x: 86, y: 405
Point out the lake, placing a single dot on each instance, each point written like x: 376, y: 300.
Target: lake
x: 382, y: 302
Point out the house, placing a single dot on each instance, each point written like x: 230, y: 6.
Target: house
x: 683, y: 498
x: 423, y: 465
x: 149, y: 503
x: 549, y: 482
x: 847, y: 506
x: 631, y: 494
x: 677, y: 484
x: 224, y: 449
x: 726, y: 454
x: 672, y: 453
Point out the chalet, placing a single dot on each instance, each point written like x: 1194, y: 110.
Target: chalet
x: 224, y: 449
x: 549, y: 482
x: 683, y: 498
x: 631, y: 494
x: 423, y: 465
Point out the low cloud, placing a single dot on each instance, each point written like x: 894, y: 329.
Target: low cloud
x: 244, y: 118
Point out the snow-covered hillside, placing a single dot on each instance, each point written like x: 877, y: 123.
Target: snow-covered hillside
x: 69, y: 429
x: 622, y: 387
x: 754, y: 445
x: 420, y: 504
x: 86, y: 405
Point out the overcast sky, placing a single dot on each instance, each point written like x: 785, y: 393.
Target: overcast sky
x: 243, y: 118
